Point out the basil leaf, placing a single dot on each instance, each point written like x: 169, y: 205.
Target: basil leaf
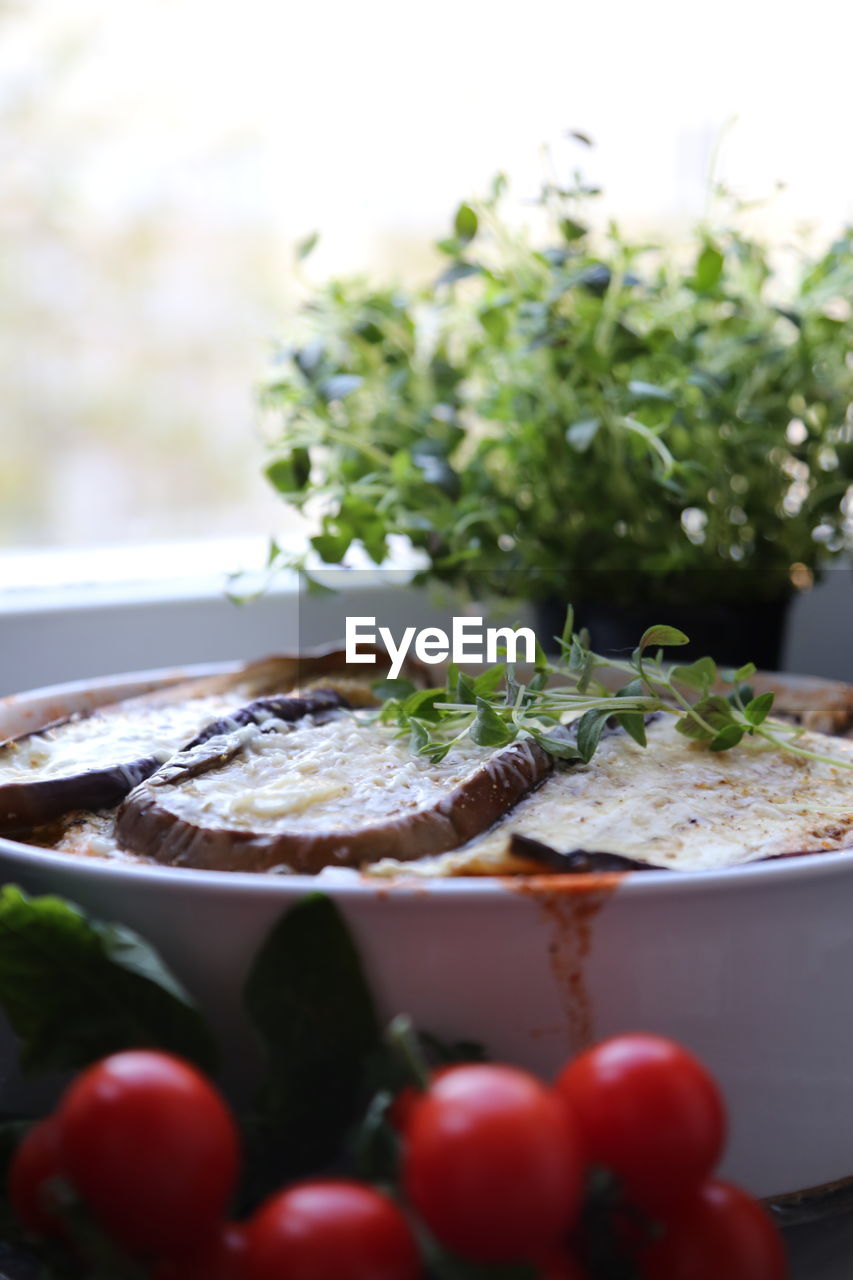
x: 309, y: 1001
x: 75, y: 989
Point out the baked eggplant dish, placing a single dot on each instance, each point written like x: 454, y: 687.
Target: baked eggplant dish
x: 302, y: 766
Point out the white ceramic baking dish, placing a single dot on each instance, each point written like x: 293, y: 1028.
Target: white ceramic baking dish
x: 751, y: 968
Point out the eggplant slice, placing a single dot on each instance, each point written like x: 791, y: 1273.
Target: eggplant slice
x: 91, y: 761
x: 339, y: 792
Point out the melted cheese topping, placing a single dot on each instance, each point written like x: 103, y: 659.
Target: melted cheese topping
x: 99, y: 741
x: 675, y: 804
x: 341, y: 775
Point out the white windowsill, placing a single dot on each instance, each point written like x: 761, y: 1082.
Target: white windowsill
x: 72, y: 614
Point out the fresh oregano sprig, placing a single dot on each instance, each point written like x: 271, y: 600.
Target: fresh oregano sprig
x: 565, y: 705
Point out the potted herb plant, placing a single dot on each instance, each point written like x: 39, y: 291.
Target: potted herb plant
x: 585, y: 417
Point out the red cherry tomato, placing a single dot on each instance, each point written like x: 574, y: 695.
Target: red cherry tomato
x: 151, y: 1147
x: 721, y: 1233
x: 33, y: 1166
x: 560, y: 1265
x: 335, y: 1230
x: 648, y: 1111
x: 492, y: 1164
x: 223, y: 1257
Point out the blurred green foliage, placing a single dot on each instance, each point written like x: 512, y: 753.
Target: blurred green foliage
x: 582, y: 405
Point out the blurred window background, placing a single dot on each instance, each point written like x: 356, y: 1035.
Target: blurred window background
x: 160, y: 160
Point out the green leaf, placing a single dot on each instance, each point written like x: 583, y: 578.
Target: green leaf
x: 339, y: 386
x: 590, y: 728
x: 649, y: 391
x: 634, y: 726
x: 581, y: 663
x: 307, y: 246
x: 560, y: 747
x: 420, y: 738
x: 758, y: 709
x: 716, y: 711
x: 388, y: 688
x: 75, y: 989
x: 494, y: 321
x: 746, y: 672
x: 663, y: 635
x: 421, y: 704
x: 709, y: 269
x: 309, y: 1001
x: 742, y: 694
x: 460, y: 270
x: 580, y: 435
x: 633, y: 722
x: 290, y: 474
x: 700, y: 674
x: 689, y: 728
x: 727, y: 738
x: 568, y: 627
x: 572, y: 230
x: 488, y: 729
x: 331, y: 547
x: 465, y: 223
x: 490, y: 681
x: 465, y: 690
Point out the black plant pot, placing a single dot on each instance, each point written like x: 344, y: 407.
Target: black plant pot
x: 732, y: 634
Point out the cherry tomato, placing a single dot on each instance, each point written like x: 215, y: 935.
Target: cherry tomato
x: 335, y: 1230
x: 152, y: 1149
x: 721, y: 1233
x: 649, y: 1112
x: 492, y: 1164
x: 223, y: 1257
x: 559, y: 1265
x: 33, y: 1166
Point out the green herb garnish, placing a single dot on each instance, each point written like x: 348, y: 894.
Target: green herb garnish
x: 565, y: 706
